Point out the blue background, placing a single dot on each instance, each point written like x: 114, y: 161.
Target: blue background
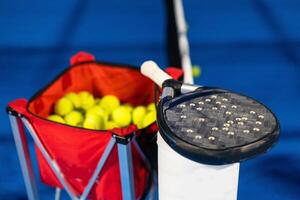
x: 252, y: 47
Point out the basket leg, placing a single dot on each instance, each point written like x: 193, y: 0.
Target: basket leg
x: 98, y: 169
x: 24, y: 156
x: 139, y: 150
x: 153, y: 191
x: 126, y: 170
x: 52, y: 163
x: 57, y: 193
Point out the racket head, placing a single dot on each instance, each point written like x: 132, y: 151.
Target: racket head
x: 216, y: 126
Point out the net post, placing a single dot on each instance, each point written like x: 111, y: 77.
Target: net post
x: 126, y: 167
x: 177, y: 40
x: 172, y: 46
x: 23, y: 155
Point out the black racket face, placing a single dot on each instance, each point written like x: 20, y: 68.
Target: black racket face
x: 219, y: 120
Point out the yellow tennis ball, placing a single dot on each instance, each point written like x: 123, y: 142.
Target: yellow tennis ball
x: 149, y: 119
x: 74, y: 98
x: 56, y: 118
x: 74, y: 118
x: 128, y: 106
x: 63, y: 106
x: 121, y: 116
x: 151, y: 107
x: 196, y: 70
x: 138, y: 114
x: 110, y: 103
x: 110, y: 125
x: 98, y: 110
x: 94, y: 122
x: 86, y: 99
x: 97, y: 100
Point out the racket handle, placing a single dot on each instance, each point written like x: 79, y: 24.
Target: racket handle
x: 151, y: 70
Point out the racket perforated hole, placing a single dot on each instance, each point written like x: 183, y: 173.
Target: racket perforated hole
x: 256, y: 129
x: 226, y: 125
x: 258, y: 122
x: 244, y: 118
x: 199, y: 108
x: 212, y: 138
x: 198, y: 137
x: 228, y: 113
x: 261, y: 116
x: 230, y: 133
x: 214, y: 128
x: 201, y: 119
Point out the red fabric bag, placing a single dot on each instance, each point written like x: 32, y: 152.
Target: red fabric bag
x: 77, y: 150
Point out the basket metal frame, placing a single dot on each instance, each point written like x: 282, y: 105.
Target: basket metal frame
x: 18, y: 125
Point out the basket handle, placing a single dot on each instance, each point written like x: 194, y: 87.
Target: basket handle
x: 81, y: 57
x: 18, y: 108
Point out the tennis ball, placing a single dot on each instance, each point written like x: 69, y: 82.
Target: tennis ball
x: 138, y: 114
x: 63, y: 106
x: 151, y: 107
x: 196, y: 70
x: 98, y: 110
x: 94, y: 122
x: 128, y: 106
x: 56, y: 118
x: 110, y: 103
x: 97, y: 101
x: 74, y: 98
x: 149, y: 119
x: 121, y: 116
x: 74, y: 118
x: 86, y: 99
x: 110, y: 125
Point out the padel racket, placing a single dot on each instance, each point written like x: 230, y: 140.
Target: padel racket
x: 211, y: 125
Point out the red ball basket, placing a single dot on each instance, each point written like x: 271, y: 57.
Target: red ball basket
x: 90, y: 163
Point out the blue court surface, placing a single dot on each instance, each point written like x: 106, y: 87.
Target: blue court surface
x: 251, y: 47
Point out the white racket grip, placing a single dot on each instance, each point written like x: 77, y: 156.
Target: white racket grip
x: 151, y: 70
